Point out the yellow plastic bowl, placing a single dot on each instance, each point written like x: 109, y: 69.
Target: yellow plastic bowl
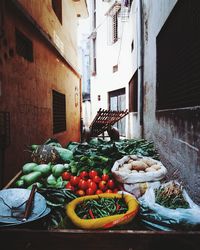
x: 105, y: 222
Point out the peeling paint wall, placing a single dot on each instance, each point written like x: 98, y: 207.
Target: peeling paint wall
x: 26, y: 87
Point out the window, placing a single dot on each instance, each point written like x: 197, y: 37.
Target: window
x: 24, y: 46
x: 133, y: 93
x: 117, y: 101
x: 178, y: 58
x: 113, y: 23
x: 115, y: 27
x: 59, y: 112
x: 57, y: 7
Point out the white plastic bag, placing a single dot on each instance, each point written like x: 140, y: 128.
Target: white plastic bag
x: 138, y: 189
x: 127, y: 176
x: 179, y: 216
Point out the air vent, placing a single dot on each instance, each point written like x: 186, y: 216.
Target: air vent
x: 24, y: 46
x: 59, y: 112
x: 115, y: 68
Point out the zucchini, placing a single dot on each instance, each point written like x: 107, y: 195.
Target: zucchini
x: 31, y: 178
x: 28, y: 167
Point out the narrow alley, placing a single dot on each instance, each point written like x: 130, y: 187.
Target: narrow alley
x: 100, y: 124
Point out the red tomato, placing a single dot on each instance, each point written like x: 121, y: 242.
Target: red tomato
x: 92, y: 185
x: 83, y: 174
x: 109, y: 191
x: 93, y: 173
x: 83, y: 184
x: 102, y: 185
x: 80, y: 192
x: 90, y: 191
x: 99, y: 191
x: 105, y: 177
x: 74, y: 180
x: 69, y: 186
x: 88, y: 181
x: 96, y: 179
x: 110, y: 184
x: 66, y: 176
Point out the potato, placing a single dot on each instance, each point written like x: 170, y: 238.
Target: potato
x: 156, y: 166
x: 127, y: 165
x: 129, y: 161
x: 139, y: 165
x: 150, y: 169
x: 149, y: 162
x: 125, y: 170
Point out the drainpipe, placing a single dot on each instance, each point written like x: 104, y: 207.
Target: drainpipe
x: 140, y: 65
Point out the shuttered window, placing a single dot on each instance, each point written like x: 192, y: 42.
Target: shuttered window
x: 113, y: 23
x: 178, y: 58
x: 59, y: 112
x: 115, y: 27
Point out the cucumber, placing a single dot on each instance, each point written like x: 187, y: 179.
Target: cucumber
x: 28, y: 167
x: 31, y: 178
x: 45, y: 169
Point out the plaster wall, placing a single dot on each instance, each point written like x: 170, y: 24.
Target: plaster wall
x: 26, y: 92
x: 175, y: 132
x: 63, y: 35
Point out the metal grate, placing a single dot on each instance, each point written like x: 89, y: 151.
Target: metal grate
x: 59, y: 112
x: 178, y: 57
x: 24, y: 46
x: 4, y: 129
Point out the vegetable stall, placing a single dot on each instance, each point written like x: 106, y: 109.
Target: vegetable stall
x: 113, y: 192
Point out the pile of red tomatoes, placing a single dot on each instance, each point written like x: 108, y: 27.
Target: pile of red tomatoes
x: 89, y: 183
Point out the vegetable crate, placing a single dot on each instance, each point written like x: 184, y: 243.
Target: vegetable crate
x: 104, y: 119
